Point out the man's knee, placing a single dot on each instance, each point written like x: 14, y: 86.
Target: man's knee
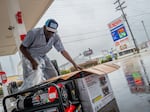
x: 50, y: 73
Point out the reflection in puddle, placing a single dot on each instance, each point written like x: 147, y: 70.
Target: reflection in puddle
x: 133, y: 68
x: 145, y: 72
x: 136, y: 76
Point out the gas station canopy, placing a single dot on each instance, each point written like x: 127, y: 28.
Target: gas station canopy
x: 32, y: 11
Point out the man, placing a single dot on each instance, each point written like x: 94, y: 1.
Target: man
x: 37, y: 43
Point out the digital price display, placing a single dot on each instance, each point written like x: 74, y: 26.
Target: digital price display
x: 119, y: 33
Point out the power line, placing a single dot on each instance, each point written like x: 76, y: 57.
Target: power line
x: 139, y: 14
x: 93, y: 37
x: 134, y: 2
x: 83, y: 39
x: 80, y: 34
x: 73, y: 41
x: 141, y: 10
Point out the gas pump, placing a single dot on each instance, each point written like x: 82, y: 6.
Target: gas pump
x: 3, y: 81
x: 3, y: 77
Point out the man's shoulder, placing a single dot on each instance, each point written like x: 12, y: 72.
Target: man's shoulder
x: 35, y: 30
x: 56, y: 36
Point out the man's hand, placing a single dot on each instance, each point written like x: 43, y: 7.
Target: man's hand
x: 77, y: 67
x: 34, y: 64
x: 29, y: 57
x: 68, y: 57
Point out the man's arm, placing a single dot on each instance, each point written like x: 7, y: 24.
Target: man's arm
x: 24, y: 51
x: 68, y: 57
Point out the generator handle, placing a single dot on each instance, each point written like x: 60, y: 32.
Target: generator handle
x: 34, y: 89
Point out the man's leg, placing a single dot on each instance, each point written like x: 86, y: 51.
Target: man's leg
x: 49, y: 70
x: 31, y: 77
x: 27, y: 67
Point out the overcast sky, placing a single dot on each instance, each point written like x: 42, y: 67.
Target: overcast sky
x: 83, y: 25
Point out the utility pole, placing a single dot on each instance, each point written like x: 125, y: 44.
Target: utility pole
x: 145, y: 31
x: 121, y: 8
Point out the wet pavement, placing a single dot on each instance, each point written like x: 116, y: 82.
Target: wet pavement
x: 131, y: 83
